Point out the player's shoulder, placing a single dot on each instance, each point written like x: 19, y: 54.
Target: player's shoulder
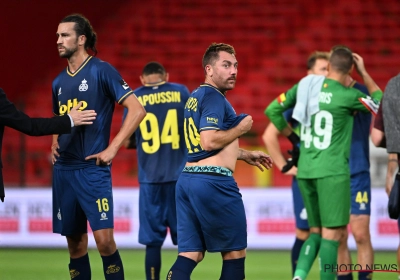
x: 360, y: 87
x: 101, y: 64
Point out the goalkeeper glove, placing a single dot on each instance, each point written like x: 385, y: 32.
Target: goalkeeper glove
x: 295, y: 152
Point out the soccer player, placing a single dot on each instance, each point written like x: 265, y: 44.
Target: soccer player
x: 160, y: 138
x: 82, y: 188
x: 360, y: 185
x: 317, y: 64
x: 210, y: 210
x: 325, y: 108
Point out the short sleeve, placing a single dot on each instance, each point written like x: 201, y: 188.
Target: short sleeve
x: 212, y: 111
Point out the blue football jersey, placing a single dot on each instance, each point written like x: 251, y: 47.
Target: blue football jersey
x: 98, y: 85
x: 359, y: 151
x: 207, y: 108
x: 160, y: 142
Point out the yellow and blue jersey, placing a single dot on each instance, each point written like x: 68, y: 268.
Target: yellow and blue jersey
x: 98, y: 85
x: 359, y: 151
x: 206, y: 109
x: 160, y: 141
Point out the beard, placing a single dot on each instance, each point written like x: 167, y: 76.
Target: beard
x: 68, y: 52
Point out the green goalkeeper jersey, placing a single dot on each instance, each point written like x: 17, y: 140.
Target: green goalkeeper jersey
x: 325, y: 144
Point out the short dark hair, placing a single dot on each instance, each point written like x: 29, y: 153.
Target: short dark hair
x: 212, y: 53
x: 341, y: 59
x: 153, y: 67
x: 314, y: 56
x: 83, y: 27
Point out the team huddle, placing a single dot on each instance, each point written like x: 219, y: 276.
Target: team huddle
x: 187, y: 147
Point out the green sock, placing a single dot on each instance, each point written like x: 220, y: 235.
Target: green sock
x: 308, y: 252
x: 328, y: 259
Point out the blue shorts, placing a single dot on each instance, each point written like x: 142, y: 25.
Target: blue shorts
x: 300, y: 212
x: 157, y: 211
x: 210, y: 213
x: 361, y: 194
x: 80, y: 196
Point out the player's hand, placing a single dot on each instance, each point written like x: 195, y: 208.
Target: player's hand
x: 245, y: 124
x: 289, y: 169
x: 82, y: 117
x: 259, y: 159
x: 103, y: 158
x: 54, y: 152
x: 292, y: 162
x: 359, y: 62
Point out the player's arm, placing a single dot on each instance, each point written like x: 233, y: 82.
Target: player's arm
x: 392, y: 168
x: 377, y: 132
x: 217, y: 139
x: 134, y: 116
x: 369, y: 103
x: 54, y: 148
x: 255, y: 158
x: 270, y: 138
x: 274, y: 112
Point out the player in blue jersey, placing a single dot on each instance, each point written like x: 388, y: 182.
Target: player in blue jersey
x: 360, y: 186
x: 210, y: 210
x: 317, y: 64
x: 82, y: 190
x: 161, y: 153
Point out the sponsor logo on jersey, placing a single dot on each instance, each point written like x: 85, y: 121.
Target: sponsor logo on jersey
x: 124, y: 84
x: 83, y: 86
x: 65, y: 109
x: 212, y: 120
x: 281, y: 98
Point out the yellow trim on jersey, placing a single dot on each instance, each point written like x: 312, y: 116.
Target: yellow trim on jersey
x: 126, y: 94
x: 353, y: 82
x: 207, y: 85
x: 80, y: 67
x: 155, y: 84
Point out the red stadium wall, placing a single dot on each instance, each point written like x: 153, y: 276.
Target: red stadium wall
x: 272, y: 39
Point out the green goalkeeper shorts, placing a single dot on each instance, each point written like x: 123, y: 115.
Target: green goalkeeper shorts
x: 327, y: 200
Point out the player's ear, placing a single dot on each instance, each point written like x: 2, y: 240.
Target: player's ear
x: 142, y: 80
x: 166, y: 77
x: 351, y: 69
x: 209, y: 71
x: 82, y: 40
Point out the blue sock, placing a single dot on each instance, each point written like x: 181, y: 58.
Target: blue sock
x: 364, y: 275
x: 79, y: 268
x: 182, y: 269
x: 345, y: 277
x: 153, y: 262
x: 112, y: 266
x: 295, y: 253
x: 233, y: 269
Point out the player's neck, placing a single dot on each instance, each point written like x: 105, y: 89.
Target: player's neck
x: 339, y: 77
x: 76, y: 60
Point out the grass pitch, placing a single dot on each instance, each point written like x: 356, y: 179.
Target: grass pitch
x: 52, y: 264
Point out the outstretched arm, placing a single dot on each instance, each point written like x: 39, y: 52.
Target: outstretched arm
x: 256, y: 158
